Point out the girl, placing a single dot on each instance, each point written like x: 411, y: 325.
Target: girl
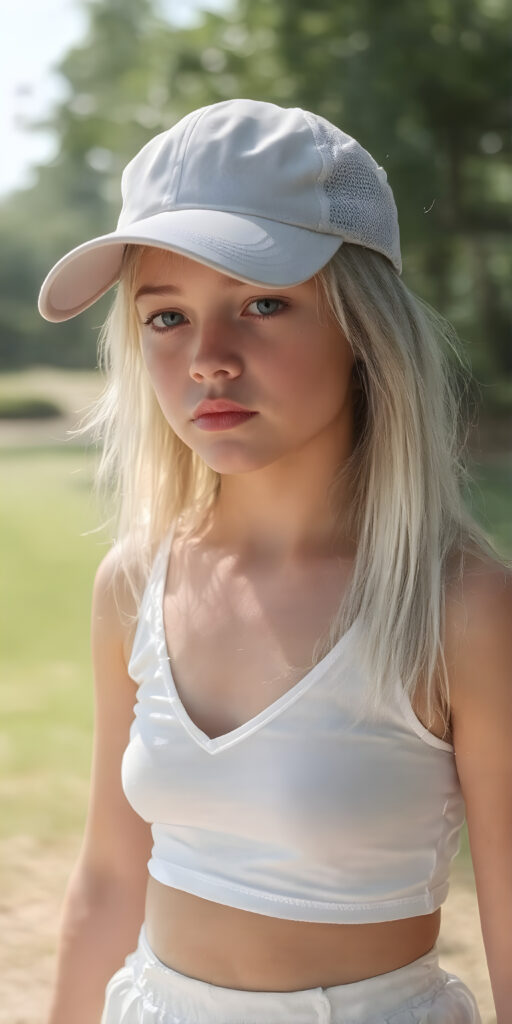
x: 317, y: 629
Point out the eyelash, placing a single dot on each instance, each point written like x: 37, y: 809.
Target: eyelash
x: 256, y: 316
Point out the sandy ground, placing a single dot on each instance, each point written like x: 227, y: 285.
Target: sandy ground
x: 31, y: 894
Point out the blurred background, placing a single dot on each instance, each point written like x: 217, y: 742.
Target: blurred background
x: 427, y: 89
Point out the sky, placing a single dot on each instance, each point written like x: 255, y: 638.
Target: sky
x: 35, y: 35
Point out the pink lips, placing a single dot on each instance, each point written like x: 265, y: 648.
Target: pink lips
x: 222, y: 420
x: 220, y: 414
x: 212, y: 406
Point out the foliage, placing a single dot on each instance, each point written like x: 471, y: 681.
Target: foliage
x: 424, y: 87
x: 19, y: 407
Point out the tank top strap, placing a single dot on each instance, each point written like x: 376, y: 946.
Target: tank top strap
x: 152, y: 596
x: 156, y: 580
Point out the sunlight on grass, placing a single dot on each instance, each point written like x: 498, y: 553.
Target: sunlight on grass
x: 45, y: 673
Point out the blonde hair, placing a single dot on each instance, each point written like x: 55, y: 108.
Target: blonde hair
x: 406, y: 473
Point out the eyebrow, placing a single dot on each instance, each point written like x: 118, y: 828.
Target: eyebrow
x: 171, y: 289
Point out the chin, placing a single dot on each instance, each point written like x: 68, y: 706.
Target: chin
x: 235, y: 462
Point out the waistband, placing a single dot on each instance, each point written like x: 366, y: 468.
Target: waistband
x: 196, y: 1001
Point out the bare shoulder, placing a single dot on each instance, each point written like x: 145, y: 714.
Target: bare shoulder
x: 114, y: 604
x: 112, y: 826
x: 478, y: 633
x: 473, y: 598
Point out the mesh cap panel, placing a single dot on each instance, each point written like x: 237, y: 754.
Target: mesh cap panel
x: 355, y: 197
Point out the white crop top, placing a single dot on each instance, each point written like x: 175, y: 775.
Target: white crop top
x: 293, y: 814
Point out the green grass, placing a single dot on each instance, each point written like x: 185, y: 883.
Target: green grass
x: 48, y: 563
x: 48, y: 566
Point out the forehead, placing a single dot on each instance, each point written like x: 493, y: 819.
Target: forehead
x: 161, y: 266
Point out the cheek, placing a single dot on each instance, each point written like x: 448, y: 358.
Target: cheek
x: 158, y: 362
x: 161, y: 374
x: 151, y: 355
x: 316, y: 375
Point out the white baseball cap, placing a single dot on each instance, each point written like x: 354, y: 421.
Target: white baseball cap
x: 264, y: 193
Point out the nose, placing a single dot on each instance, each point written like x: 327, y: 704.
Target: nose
x: 214, y: 351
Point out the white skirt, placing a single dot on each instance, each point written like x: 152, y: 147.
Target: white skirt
x: 146, y: 991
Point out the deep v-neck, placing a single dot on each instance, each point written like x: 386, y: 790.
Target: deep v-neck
x: 214, y: 745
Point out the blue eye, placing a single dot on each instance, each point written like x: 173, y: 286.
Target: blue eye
x: 169, y: 313
x: 259, y: 302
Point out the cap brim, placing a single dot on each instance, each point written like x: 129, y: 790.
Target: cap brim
x: 252, y: 249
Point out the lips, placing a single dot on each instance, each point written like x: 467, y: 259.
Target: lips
x: 211, y: 407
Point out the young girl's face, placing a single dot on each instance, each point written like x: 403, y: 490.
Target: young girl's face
x: 275, y: 351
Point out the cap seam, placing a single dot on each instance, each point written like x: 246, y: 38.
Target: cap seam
x: 327, y: 164
x: 185, y: 145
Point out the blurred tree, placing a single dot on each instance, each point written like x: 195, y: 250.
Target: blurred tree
x: 426, y: 88
x: 107, y: 116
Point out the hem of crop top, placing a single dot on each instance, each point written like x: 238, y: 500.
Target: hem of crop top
x: 242, y: 897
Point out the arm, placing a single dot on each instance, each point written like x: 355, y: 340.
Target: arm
x: 104, y: 901
x: 479, y: 663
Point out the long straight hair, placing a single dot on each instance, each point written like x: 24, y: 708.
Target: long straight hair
x: 406, y: 475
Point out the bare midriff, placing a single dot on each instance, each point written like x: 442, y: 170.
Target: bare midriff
x: 239, y: 949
